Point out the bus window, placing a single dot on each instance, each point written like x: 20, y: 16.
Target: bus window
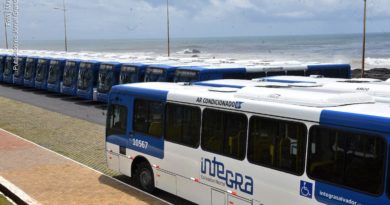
x: 277, y: 144
x: 224, y: 133
x: 128, y: 74
x: 53, y: 72
x: 349, y: 159
x: 116, y: 120
x: 148, y: 117
x: 276, y: 73
x: 29, y: 69
x: 252, y: 75
x: 186, y: 76
x: 155, y: 75
x: 183, y: 125
x: 234, y: 76
x: 296, y: 72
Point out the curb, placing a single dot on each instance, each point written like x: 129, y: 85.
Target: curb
x: 16, y: 194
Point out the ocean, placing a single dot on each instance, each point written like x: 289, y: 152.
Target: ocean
x: 270, y: 49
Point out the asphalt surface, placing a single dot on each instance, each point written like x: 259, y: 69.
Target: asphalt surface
x: 72, y: 106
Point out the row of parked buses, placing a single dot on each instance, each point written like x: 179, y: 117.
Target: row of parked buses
x: 92, y: 76
x: 274, y: 140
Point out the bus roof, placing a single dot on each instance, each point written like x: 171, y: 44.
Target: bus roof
x: 284, y: 95
x: 343, y: 107
x: 313, y: 79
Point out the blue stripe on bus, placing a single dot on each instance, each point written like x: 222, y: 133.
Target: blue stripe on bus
x: 329, y: 66
x: 145, y: 93
x: 333, y: 195
x: 360, y: 121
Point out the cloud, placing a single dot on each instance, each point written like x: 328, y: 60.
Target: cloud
x: 147, y: 18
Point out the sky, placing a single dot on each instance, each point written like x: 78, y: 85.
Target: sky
x: 134, y: 19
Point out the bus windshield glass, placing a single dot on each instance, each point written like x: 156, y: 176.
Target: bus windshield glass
x: 53, y: 71
x: 9, y: 66
x: 85, y: 76
x: 41, y: 70
x: 69, y: 73
x: 29, y: 68
x: 155, y: 75
x: 186, y: 76
x: 2, y: 64
x: 106, y: 78
x: 129, y: 74
x: 20, y: 69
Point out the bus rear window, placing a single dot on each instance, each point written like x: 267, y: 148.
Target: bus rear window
x: 148, y: 117
x: 348, y: 159
x: 224, y: 133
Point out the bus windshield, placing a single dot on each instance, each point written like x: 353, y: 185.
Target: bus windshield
x: 155, y: 75
x: 85, y: 76
x: 53, y: 71
x: 9, y: 66
x: 40, y: 70
x: 29, y: 68
x: 20, y: 69
x: 129, y: 74
x: 106, y: 79
x: 69, y: 73
x: 186, y: 76
x: 2, y: 65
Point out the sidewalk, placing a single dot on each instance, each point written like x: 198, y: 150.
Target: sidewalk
x: 50, y: 178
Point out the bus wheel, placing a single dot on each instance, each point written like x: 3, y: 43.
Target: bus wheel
x: 144, y: 177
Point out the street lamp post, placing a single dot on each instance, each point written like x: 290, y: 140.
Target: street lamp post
x: 5, y: 27
x: 65, y: 32
x: 168, y: 35
x: 364, y: 38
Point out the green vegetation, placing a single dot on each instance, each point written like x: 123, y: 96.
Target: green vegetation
x: 77, y: 139
x: 4, y: 201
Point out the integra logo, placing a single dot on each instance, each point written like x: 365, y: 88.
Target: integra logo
x: 229, y: 178
x: 223, y: 103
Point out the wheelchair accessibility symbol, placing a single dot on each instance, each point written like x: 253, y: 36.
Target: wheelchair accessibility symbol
x: 306, y: 189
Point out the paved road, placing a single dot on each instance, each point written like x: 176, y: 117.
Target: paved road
x: 68, y: 105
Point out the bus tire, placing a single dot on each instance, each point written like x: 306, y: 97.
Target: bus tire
x: 144, y: 177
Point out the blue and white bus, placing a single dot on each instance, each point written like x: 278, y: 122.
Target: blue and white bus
x: 87, y: 79
x: 19, y: 72
x: 2, y: 65
x: 201, y: 73
x: 55, y: 75
x: 326, y: 70
x: 30, y: 71
x: 379, y: 90
x: 315, y: 79
x: 71, y: 72
x: 8, y: 74
x: 251, y: 145
x: 132, y: 73
x: 160, y: 73
x: 41, y: 72
x: 108, y: 76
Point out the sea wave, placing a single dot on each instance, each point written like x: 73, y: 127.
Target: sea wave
x: 382, y: 62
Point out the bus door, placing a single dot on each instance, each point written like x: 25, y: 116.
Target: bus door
x: 116, y: 134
